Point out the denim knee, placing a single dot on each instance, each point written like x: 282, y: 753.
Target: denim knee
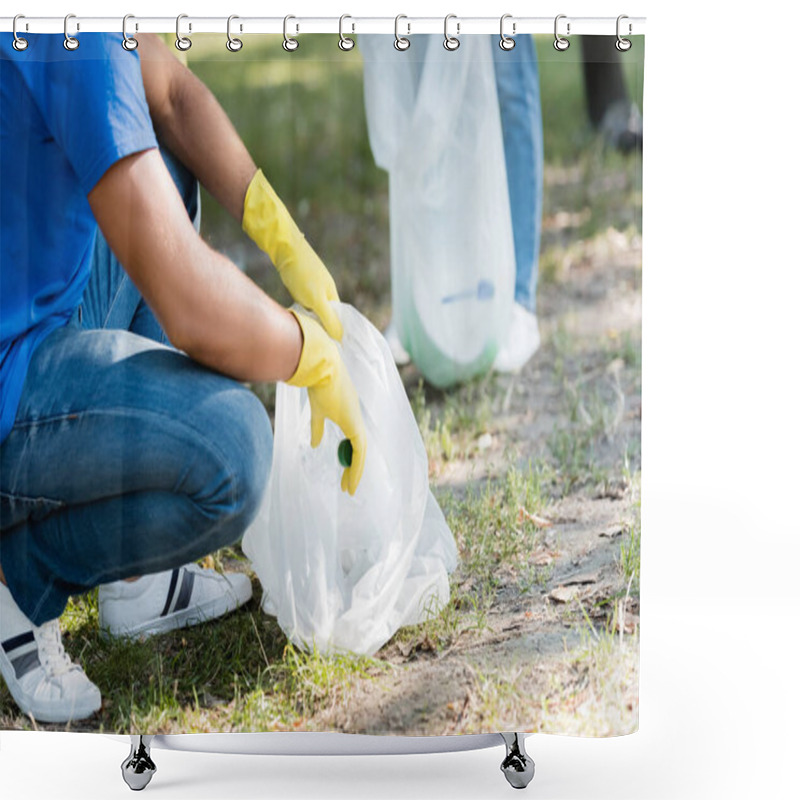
x: 241, y: 445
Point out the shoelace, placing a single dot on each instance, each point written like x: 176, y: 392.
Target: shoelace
x: 54, y: 659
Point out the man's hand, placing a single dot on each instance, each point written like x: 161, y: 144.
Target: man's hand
x: 331, y: 395
x: 267, y: 222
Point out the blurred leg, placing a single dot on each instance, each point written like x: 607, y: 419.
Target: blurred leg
x: 607, y: 100
x: 517, y: 77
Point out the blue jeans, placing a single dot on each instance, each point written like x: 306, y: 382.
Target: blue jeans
x: 517, y: 77
x: 126, y: 457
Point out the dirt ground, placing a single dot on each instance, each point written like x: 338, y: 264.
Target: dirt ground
x: 561, y: 654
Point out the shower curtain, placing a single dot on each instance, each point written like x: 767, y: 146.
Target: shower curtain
x: 177, y: 229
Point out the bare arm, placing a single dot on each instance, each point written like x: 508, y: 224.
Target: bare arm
x: 192, y: 124
x: 207, y: 307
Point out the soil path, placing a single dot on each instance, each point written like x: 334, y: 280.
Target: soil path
x: 529, y: 662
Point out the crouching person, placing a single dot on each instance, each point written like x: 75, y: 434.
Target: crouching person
x: 128, y: 447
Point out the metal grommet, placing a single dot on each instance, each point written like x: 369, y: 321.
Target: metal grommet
x: 289, y: 44
x: 451, y: 42
x: 19, y: 44
x: 506, y: 42
x: 129, y: 43
x: 70, y: 42
x: 345, y: 42
x: 234, y: 45
x: 623, y: 45
x: 182, y: 43
x: 560, y: 43
x: 400, y: 42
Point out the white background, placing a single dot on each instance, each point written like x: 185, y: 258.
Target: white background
x: 719, y: 691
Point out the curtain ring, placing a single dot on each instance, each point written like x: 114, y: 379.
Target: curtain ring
x: 451, y: 42
x: 506, y: 42
x: 19, y: 44
x: 234, y: 45
x: 129, y: 43
x: 289, y: 44
x: 623, y: 45
x: 182, y: 43
x: 345, y: 42
x: 400, y: 42
x: 70, y: 42
x: 560, y: 43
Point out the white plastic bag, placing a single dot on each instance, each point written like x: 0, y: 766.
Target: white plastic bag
x: 434, y: 124
x: 341, y: 572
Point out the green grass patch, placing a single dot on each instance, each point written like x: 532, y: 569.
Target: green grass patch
x: 234, y: 673
x: 492, y: 534
x: 630, y: 553
x: 451, y: 422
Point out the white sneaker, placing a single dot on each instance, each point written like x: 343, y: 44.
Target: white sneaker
x: 399, y: 353
x: 522, y: 341
x: 168, y: 600
x: 39, y: 674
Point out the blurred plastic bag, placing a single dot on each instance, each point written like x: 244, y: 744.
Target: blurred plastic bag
x: 341, y: 572
x: 434, y: 124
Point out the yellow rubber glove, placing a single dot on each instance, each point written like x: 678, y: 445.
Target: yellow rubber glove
x: 267, y: 222
x: 331, y: 395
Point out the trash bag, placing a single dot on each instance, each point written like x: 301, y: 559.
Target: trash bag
x: 434, y: 124
x: 343, y: 573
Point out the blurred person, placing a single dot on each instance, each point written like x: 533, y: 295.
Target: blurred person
x: 611, y: 111
x: 517, y: 82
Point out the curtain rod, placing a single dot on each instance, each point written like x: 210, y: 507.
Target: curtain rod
x: 567, y: 26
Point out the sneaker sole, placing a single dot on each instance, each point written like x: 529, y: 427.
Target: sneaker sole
x: 212, y: 609
x: 43, y: 713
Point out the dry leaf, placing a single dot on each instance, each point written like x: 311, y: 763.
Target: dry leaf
x: 611, y: 531
x: 565, y: 594
x: 543, y: 559
x: 539, y: 522
x: 631, y: 623
x: 428, y: 644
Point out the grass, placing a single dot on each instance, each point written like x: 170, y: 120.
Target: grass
x: 451, y: 423
x: 494, y: 537
x: 236, y: 673
x: 592, y: 691
x: 630, y: 553
x: 495, y: 540
x: 597, y: 691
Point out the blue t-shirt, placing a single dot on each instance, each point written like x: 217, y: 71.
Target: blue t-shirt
x: 65, y: 118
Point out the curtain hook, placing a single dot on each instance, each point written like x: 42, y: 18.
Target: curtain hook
x: 19, y: 44
x: 621, y: 44
x: 345, y: 42
x: 70, y: 42
x: 400, y: 42
x: 506, y: 42
x: 451, y: 42
x: 234, y: 45
x: 129, y: 43
x: 560, y: 43
x: 289, y: 44
x: 182, y: 43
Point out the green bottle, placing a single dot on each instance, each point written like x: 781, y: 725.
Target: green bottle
x: 345, y: 453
